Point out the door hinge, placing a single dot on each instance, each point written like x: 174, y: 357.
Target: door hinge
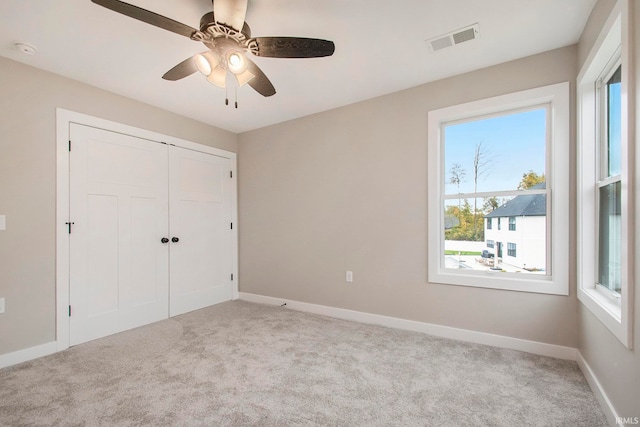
x: 232, y: 226
x: 69, y: 145
x: 231, y: 276
x: 69, y: 224
x: 69, y: 311
x: 230, y: 174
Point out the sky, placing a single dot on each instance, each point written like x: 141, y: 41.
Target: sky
x: 513, y: 145
x: 615, y: 127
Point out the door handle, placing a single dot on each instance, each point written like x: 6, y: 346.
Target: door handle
x: 175, y: 239
x: 164, y: 240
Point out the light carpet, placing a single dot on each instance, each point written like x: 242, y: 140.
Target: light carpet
x: 244, y: 364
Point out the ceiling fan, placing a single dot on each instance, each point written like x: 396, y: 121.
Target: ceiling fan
x: 228, y: 38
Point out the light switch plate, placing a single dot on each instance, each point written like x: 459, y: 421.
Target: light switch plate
x: 1, y: 305
x: 3, y: 222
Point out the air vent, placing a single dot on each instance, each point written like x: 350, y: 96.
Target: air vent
x: 453, y: 38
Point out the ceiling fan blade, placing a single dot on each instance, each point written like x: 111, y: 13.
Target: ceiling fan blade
x: 230, y: 12
x: 294, y: 47
x: 182, y: 70
x: 260, y: 82
x: 246, y: 30
x: 147, y: 16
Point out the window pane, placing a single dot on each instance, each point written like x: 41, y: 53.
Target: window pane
x: 610, y: 237
x: 498, y: 153
x: 614, y: 123
x: 481, y: 248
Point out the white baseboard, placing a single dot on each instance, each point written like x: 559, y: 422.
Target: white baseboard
x: 606, y: 405
x: 27, y: 354
x: 534, y: 347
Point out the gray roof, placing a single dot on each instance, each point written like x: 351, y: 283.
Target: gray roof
x: 450, y: 221
x: 525, y: 205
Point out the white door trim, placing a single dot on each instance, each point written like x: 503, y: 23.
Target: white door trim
x: 63, y: 120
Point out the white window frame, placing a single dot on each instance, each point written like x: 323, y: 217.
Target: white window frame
x: 611, y: 47
x: 558, y: 123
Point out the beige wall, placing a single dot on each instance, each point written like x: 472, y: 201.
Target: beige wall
x: 616, y: 367
x: 347, y: 190
x: 592, y: 28
x: 28, y: 101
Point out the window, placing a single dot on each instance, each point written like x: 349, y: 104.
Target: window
x: 512, y: 223
x: 491, y: 243
x: 605, y: 249
x: 609, y: 185
x: 495, y: 158
x: 511, y: 249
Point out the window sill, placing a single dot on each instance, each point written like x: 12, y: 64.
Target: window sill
x: 606, y: 309
x: 499, y: 280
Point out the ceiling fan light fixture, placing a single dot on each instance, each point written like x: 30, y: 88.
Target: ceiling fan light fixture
x: 202, y: 64
x: 206, y: 62
x: 244, y: 77
x: 218, y: 77
x: 237, y: 63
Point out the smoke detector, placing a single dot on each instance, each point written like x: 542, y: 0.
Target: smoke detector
x: 26, y: 48
x: 454, y: 38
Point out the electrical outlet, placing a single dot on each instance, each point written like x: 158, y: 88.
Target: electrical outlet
x: 1, y: 305
x: 349, y: 276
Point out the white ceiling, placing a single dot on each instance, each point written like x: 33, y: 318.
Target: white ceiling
x: 380, y: 48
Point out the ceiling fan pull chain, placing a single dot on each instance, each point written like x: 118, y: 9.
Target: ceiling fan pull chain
x: 226, y: 95
x: 236, y: 89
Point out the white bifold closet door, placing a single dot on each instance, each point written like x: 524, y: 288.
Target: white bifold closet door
x: 200, y: 221
x: 148, y: 234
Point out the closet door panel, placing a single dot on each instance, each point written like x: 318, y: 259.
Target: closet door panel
x: 200, y: 217
x: 144, y: 241
x: 119, y: 276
